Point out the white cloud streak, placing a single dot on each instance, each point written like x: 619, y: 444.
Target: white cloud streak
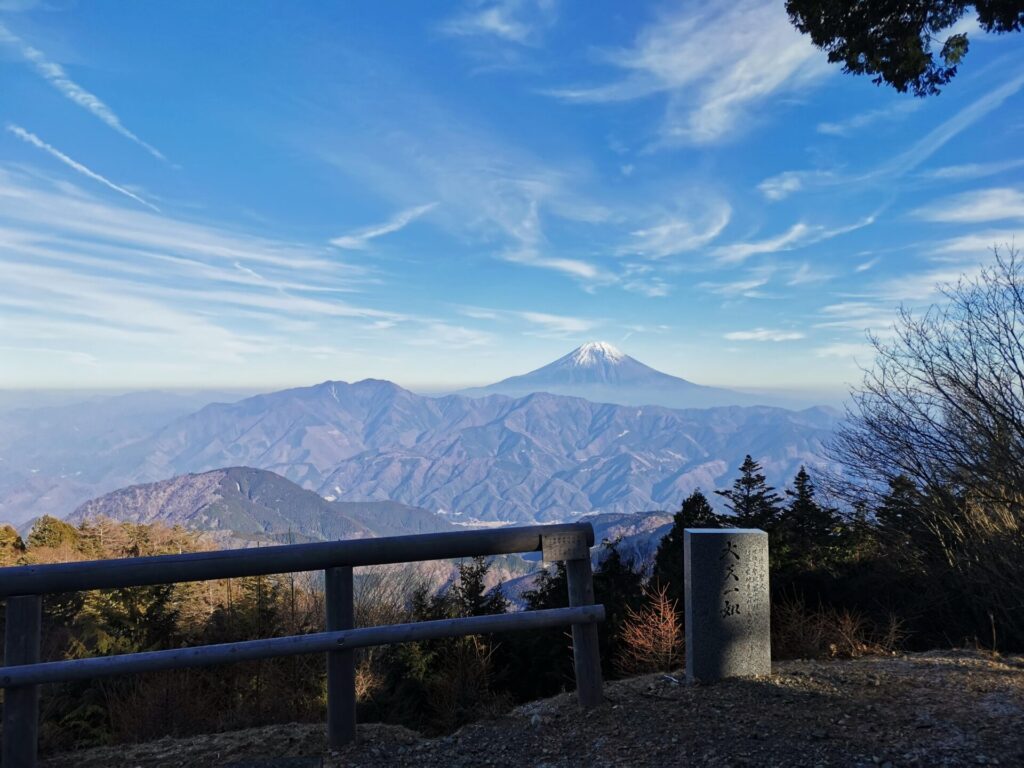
x: 737, y: 252
x: 786, y: 183
x: 716, y: 63
x: 55, y: 75
x: 972, y: 170
x: 559, y: 324
x: 679, y: 233
x: 798, y: 236
x: 31, y: 138
x: 852, y: 125
x: 549, y: 325
x: 513, y: 21
x: 938, y: 137
x: 980, y: 205
x: 764, y: 334
x: 577, y: 268
x: 360, y: 239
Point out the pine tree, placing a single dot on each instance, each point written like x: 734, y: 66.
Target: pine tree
x: 696, y: 512
x: 754, y: 503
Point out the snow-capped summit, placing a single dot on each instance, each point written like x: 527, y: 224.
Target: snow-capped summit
x: 595, y: 352
x: 602, y: 373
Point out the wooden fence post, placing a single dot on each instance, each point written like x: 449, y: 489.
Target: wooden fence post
x: 585, y: 651
x: 21, y: 704
x: 341, y: 669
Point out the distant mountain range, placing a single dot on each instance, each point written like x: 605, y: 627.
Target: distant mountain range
x: 599, y: 372
x: 255, y: 505
x: 493, y: 458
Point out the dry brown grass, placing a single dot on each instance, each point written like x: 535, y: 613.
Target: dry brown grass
x: 799, y: 632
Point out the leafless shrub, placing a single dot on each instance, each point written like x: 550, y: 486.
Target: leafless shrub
x: 942, y: 411
x: 651, y: 639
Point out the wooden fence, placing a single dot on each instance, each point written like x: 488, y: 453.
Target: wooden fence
x: 24, y: 586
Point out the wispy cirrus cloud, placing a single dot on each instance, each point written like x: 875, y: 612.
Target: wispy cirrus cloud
x: 972, y: 170
x: 449, y: 336
x: 764, y: 334
x: 797, y: 236
x: 858, y: 122
x: 55, y: 75
x: 490, y: 194
x: 31, y: 138
x: 514, y: 21
x: 978, y: 243
x: 807, y: 274
x: 935, y: 139
x: 360, y: 239
x: 642, y: 279
x: 578, y: 268
x: 859, y: 351
x: 677, y: 233
x: 858, y: 316
x: 737, y: 252
x: 715, y: 63
x: 782, y: 185
x: 545, y: 324
x: 977, y: 206
x: 748, y: 287
x: 132, y: 288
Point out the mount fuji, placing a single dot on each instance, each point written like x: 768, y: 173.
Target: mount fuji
x: 601, y: 373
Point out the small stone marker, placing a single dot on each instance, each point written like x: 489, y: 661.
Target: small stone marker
x: 728, y: 613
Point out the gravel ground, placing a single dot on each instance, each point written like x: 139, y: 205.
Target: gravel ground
x: 934, y: 709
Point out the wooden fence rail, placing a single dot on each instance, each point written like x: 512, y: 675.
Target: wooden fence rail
x: 23, y: 587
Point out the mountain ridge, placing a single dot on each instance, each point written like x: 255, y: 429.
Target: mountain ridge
x: 494, y: 458
x: 539, y: 457
x: 253, y: 504
x: 602, y: 373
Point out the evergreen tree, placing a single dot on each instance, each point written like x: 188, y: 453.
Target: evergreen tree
x: 806, y: 526
x: 899, y: 513
x: 696, y: 512
x: 470, y: 593
x: 754, y: 503
x: 550, y: 589
x: 53, y: 533
x: 619, y: 587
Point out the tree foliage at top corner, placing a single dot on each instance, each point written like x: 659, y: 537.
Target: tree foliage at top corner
x: 905, y: 43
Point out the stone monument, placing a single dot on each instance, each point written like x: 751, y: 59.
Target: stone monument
x: 728, y: 622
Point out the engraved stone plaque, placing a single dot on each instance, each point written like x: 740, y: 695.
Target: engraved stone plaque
x: 728, y: 623
x: 564, y: 546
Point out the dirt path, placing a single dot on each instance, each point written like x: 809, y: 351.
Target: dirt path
x: 933, y: 709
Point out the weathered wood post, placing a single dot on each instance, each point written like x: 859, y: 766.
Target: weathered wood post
x: 21, y: 704
x: 341, y: 669
x: 728, y: 611
x: 586, y: 654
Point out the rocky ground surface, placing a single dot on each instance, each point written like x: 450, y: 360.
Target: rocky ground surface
x: 932, y: 709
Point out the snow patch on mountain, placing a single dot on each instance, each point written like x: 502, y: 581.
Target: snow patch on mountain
x: 594, y: 353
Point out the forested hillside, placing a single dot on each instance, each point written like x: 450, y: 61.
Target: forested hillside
x: 841, y: 586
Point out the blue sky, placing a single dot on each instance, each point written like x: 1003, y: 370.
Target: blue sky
x: 261, y: 194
